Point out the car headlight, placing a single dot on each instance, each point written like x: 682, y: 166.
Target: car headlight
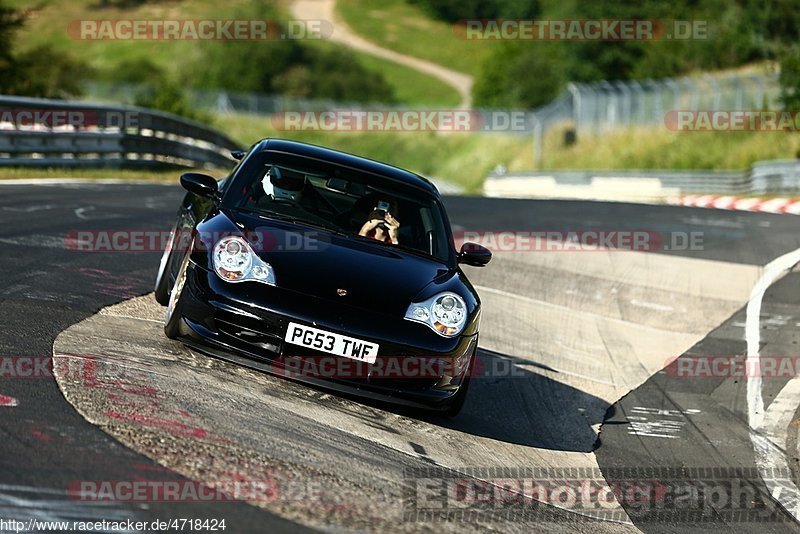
x: 235, y: 261
x: 446, y: 313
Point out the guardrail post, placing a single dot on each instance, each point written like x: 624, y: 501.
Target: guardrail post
x: 538, y: 133
x: 576, y: 104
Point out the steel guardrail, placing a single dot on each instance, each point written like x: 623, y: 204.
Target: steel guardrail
x: 762, y: 178
x: 60, y: 133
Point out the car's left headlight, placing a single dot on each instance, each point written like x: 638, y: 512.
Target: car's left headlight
x: 445, y: 313
x: 235, y: 261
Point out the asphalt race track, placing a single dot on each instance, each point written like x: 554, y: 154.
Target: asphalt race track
x: 578, y: 381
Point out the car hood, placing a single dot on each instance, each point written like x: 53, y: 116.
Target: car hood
x: 372, y: 276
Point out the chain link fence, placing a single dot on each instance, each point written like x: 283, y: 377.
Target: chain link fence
x: 226, y: 102
x: 593, y: 109
x: 602, y: 106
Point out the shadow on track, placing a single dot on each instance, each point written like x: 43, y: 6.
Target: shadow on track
x: 525, y: 408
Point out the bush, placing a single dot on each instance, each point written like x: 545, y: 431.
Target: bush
x: 166, y: 95
x: 135, y: 71
x: 288, y: 67
x: 10, y: 21
x: 790, y: 78
x: 43, y: 72
x: 338, y: 76
x: 519, y: 76
x: 454, y: 10
x: 292, y: 69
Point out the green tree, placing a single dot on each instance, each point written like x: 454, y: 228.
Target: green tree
x: 10, y: 21
x: 135, y: 71
x: 45, y: 72
x: 42, y: 72
x: 520, y: 75
x: 739, y: 32
x: 454, y: 10
x: 167, y: 95
x: 338, y: 76
x: 288, y: 67
x: 790, y: 78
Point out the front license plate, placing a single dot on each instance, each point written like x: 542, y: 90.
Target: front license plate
x: 322, y: 340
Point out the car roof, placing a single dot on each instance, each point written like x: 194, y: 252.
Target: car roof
x: 347, y: 160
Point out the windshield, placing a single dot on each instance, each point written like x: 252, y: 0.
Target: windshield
x: 342, y: 200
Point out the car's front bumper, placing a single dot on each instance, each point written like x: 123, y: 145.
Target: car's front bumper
x: 246, y: 323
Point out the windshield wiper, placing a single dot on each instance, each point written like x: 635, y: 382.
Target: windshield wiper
x: 320, y: 226
x: 295, y: 220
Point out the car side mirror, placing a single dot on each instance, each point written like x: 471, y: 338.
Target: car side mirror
x: 474, y: 254
x: 200, y: 184
x: 238, y: 154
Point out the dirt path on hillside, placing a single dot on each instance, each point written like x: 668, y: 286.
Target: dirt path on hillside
x: 324, y: 10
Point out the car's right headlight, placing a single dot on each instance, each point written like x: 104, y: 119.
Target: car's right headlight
x: 235, y: 261
x: 445, y: 313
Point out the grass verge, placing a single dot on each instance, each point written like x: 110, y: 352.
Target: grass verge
x: 410, y: 86
x: 658, y: 148
x: 407, y: 29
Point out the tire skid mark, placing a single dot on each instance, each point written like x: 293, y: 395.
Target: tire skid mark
x: 129, y: 395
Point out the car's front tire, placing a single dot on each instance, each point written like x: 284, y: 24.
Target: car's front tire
x: 173, y: 316
x: 162, y: 278
x: 457, y: 403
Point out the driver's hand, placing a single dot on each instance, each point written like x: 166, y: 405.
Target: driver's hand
x: 394, y: 226
x: 369, y: 226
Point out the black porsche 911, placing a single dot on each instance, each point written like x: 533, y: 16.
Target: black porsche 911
x: 328, y: 268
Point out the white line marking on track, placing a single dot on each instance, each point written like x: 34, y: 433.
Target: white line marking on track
x: 82, y: 181
x: 651, y: 305
x: 81, y: 212
x: 133, y: 317
x: 661, y: 427
x: 36, y: 240
x: 29, y: 209
x: 768, y: 431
